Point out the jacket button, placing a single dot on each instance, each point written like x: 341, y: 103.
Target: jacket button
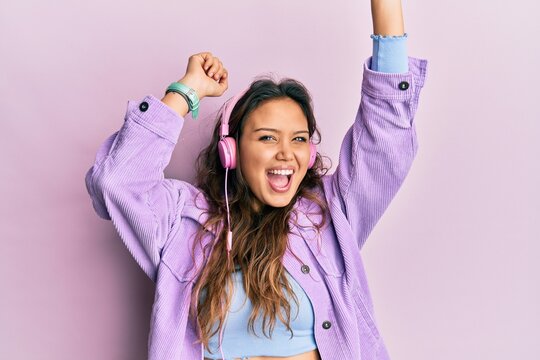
x: 305, y: 269
x: 326, y: 325
x: 144, y: 106
x: 403, y: 85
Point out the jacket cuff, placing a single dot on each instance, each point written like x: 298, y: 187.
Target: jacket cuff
x: 157, y: 117
x: 395, y: 86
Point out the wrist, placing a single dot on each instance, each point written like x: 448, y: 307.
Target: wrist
x: 188, y: 93
x: 176, y: 102
x: 190, y: 82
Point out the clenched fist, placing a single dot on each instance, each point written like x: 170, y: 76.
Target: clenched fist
x: 206, y: 75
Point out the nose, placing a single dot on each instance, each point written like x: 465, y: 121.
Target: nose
x: 285, y: 152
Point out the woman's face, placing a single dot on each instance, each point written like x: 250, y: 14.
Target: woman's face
x: 274, y: 151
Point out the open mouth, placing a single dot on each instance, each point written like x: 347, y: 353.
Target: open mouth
x: 280, y: 180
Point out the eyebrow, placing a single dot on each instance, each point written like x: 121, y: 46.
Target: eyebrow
x: 277, y: 131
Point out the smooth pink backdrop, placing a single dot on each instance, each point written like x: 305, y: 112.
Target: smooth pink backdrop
x: 453, y: 264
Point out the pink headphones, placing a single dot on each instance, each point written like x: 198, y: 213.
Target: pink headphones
x: 227, y: 144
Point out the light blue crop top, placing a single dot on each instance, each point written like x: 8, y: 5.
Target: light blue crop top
x: 238, y: 342
x: 389, y: 56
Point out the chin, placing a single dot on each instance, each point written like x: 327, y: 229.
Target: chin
x: 279, y: 200
x: 279, y: 204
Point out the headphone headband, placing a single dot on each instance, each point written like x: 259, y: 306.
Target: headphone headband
x: 224, y: 129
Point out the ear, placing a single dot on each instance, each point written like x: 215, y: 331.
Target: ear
x: 312, y: 154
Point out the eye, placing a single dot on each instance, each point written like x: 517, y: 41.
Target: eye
x: 266, y: 137
x: 300, y: 138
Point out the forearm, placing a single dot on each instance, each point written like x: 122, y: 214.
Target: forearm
x: 387, y: 17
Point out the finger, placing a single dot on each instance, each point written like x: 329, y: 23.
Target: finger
x: 202, y: 57
x: 224, y: 83
x: 205, y: 62
x: 208, y: 63
x: 214, y: 68
x: 219, y: 72
x: 206, y: 55
x: 225, y: 75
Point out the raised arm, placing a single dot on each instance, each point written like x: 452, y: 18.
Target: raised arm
x: 379, y: 148
x: 126, y: 182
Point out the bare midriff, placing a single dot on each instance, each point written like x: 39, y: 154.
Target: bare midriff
x: 310, y: 355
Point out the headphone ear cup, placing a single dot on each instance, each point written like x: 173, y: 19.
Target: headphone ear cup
x: 312, y: 155
x: 227, y: 152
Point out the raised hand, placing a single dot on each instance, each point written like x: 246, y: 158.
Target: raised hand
x: 206, y: 75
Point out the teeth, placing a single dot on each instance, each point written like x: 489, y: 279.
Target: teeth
x: 281, y: 172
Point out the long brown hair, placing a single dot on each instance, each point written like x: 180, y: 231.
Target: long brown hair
x: 260, y: 239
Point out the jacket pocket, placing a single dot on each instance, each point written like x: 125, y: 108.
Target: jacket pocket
x: 326, y: 251
x: 332, y: 266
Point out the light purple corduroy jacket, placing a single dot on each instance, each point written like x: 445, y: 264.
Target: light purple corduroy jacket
x: 157, y: 217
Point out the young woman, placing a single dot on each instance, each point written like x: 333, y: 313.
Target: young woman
x: 261, y: 258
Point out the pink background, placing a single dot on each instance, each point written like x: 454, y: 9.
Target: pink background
x: 453, y: 264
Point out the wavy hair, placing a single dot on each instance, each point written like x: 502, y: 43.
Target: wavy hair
x: 260, y: 239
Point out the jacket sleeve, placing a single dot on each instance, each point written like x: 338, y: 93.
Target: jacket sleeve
x: 378, y: 149
x: 127, y: 184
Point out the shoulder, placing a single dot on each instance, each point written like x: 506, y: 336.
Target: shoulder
x: 192, y: 201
